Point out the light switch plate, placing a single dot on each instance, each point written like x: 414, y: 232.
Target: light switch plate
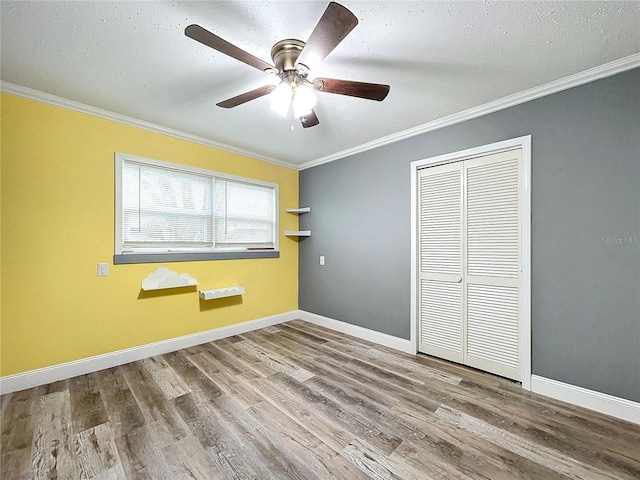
x: 103, y: 269
x: 321, y: 259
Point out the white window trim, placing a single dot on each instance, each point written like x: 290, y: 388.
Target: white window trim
x: 122, y: 257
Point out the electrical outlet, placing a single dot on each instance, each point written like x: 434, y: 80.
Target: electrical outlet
x: 103, y: 269
x: 321, y: 259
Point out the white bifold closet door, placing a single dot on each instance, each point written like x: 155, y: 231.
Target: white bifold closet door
x: 470, y: 262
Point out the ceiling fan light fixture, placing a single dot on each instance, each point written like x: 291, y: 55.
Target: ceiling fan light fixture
x: 293, y: 60
x: 281, y: 98
x: 291, y: 92
x: 304, y: 99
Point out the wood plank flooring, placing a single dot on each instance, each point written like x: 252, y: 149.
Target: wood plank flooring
x: 299, y: 401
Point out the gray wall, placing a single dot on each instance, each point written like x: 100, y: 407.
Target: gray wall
x: 585, y: 190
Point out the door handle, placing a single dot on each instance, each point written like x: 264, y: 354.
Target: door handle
x: 459, y: 279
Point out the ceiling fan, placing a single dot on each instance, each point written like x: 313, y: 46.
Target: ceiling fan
x: 293, y: 60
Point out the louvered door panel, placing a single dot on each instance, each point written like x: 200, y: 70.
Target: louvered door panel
x: 493, y: 220
x: 441, y: 319
x: 492, y: 328
x: 440, y: 223
x: 492, y: 270
x: 440, y: 254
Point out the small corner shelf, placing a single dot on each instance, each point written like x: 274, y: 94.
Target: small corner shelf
x: 297, y: 233
x: 221, y: 292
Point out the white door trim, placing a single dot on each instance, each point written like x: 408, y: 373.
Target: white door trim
x: 523, y: 143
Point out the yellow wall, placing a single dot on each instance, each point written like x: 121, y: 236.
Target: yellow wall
x: 57, y: 189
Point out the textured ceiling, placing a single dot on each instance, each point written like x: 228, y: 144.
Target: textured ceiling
x: 440, y: 58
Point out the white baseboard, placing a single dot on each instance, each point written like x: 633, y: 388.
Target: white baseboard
x: 582, y: 397
x: 359, y: 332
x: 600, y: 402
x: 42, y: 376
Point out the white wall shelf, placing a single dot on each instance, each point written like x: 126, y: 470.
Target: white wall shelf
x: 297, y: 233
x: 298, y: 210
x: 221, y: 292
x: 164, y: 278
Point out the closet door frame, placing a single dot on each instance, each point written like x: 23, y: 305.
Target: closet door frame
x: 524, y: 331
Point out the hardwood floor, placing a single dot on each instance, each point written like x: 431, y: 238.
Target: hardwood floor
x: 300, y: 401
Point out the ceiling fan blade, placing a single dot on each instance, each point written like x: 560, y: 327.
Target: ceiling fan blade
x: 207, y: 38
x: 247, y: 96
x: 370, y: 91
x: 335, y: 24
x: 310, y: 120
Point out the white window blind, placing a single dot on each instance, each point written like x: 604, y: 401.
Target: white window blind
x: 170, y: 208
x: 165, y: 207
x: 244, y: 214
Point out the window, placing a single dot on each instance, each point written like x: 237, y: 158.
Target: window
x: 168, y: 212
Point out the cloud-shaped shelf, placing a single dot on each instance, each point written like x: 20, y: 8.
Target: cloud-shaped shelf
x: 165, y: 278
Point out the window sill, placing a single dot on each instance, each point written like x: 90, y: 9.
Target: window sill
x: 130, y: 258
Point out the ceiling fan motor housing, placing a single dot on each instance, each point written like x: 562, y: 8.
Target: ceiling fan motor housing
x: 285, y: 53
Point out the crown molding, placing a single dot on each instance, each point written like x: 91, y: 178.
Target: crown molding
x: 596, y: 73
x: 43, y: 97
